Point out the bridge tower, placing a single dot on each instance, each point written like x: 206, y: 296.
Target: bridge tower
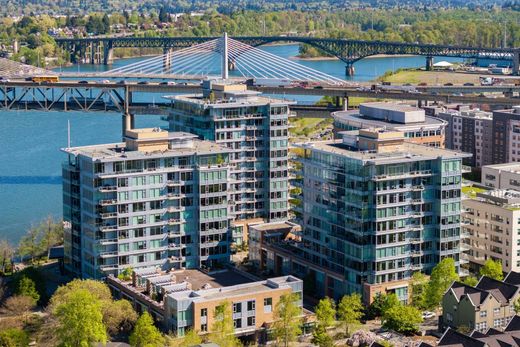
x: 225, y: 62
x: 108, y: 52
x: 168, y: 59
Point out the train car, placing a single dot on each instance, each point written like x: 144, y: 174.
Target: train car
x: 45, y: 79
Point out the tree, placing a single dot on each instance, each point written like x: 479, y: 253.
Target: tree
x: 326, y: 317
x: 492, y: 269
x: 443, y: 275
x: 350, y: 311
x: 117, y: 315
x: 287, y: 321
x: 14, y: 338
x: 191, y: 338
x: 419, y: 283
x: 145, y: 333
x: 30, y: 243
x: 26, y: 287
x: 163, y: 15
x: 80, y: 319
x: 402, y: 318
x: 470, y: 281
x: 19, y: 305
x: 223, y: 330
x: 321, y: 338
x: 326, y: 312
x: 6, y: 255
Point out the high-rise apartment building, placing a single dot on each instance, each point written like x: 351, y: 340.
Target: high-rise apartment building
x: 158, y: 200
x: 255, y: 129
x: 376, y: 210
x: 470, y: 131
x: 492, y: 221
x: 502, y: 176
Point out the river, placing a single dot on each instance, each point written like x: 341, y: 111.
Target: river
x: 30, y: 142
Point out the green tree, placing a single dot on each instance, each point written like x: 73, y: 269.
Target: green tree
x: 80, y: 320
x: 403, y: 319
x: 287, y: 321
x: 326, y: 312
x: 325, y: 317
x: 145, y: 333
x: 493, y: 269
x: 6, y: 255
x: 223, y: 330
x: 350, y: 311
x: 419, y: 283
x: 321, y: 338
x: 470, y: 281
x: 14, y: 338
x: 30, y: 245
x: 191, y: 338
x: 26, y: 287
x: 117, y: 315
x: 443, y: 275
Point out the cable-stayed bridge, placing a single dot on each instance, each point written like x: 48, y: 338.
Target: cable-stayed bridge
x: 100, y: 50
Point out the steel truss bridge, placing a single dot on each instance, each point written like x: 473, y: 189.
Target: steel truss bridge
x: 100, y: 50
x: 133, y: 98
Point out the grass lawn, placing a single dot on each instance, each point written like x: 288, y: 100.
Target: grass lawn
x: 472, y: 191
x: 432, y: 77
x: 354, y: 101
x: 308, y: 126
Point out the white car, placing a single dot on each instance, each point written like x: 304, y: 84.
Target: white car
x: 428, y: 315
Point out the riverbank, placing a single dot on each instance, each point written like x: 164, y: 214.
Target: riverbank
x: 431, y: 77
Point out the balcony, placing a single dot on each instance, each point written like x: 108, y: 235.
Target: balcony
x: 415, y: 240
x: 416, y: 253
x: 108, y: 254
x: 417, y: 201
x: 466, y: 169
x: 417, y: 173
x: 174, y: 259
x: 107, y: 241
x: 108, y: 215
x: 108, y: 267
x: 174, y: 221
x: 415, y: 267
x: 172, y: 196
x: 418, y: 188
x: 106, y: 228
x: 107, y: 202
x: 107, y: 189
x: 173, y: 183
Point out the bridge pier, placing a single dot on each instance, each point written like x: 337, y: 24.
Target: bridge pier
x: 231, y: 65
x: 167, y: 59
x: 429, y: 63
x: 516, y: 63
x: 349, y: 69
x: 108, y: 54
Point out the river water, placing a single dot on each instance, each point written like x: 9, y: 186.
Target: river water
x: 30, y: 142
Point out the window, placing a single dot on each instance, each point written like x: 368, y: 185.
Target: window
x: 449, y: 317
x: 251, y: 305
x: 203, y: 312
x: 268, y: 305
x: 251, y: 321
x: 496, y: 311
x: 237, y: 307
x: 203, y: 327
x: 237, y: 323
x: 483, y: 313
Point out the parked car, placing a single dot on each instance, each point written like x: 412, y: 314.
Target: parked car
x: 83, y: 82
x: 468, y: 84
x: 428, y: 315
x: 143, y: 82
x: 448, y: 84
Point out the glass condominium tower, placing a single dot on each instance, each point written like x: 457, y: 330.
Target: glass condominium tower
x: 255, y: 130
x: 158, y: 200
x: 376, y: 210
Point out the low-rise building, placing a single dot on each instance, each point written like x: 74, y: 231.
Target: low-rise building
x: 510, y: 336
x: 186, y: 299
x: 412, y: 121
x: 490, y: 304
x: 491, y: 221
x: 501, y: 176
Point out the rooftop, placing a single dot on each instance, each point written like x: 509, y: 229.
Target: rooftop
x: 274, y: 226
x: 184, y: 144
x: 507, y: 198
x: 508, y: 167
x: 405, y: 152
x: 218, y: 279
x: 230, y: 99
